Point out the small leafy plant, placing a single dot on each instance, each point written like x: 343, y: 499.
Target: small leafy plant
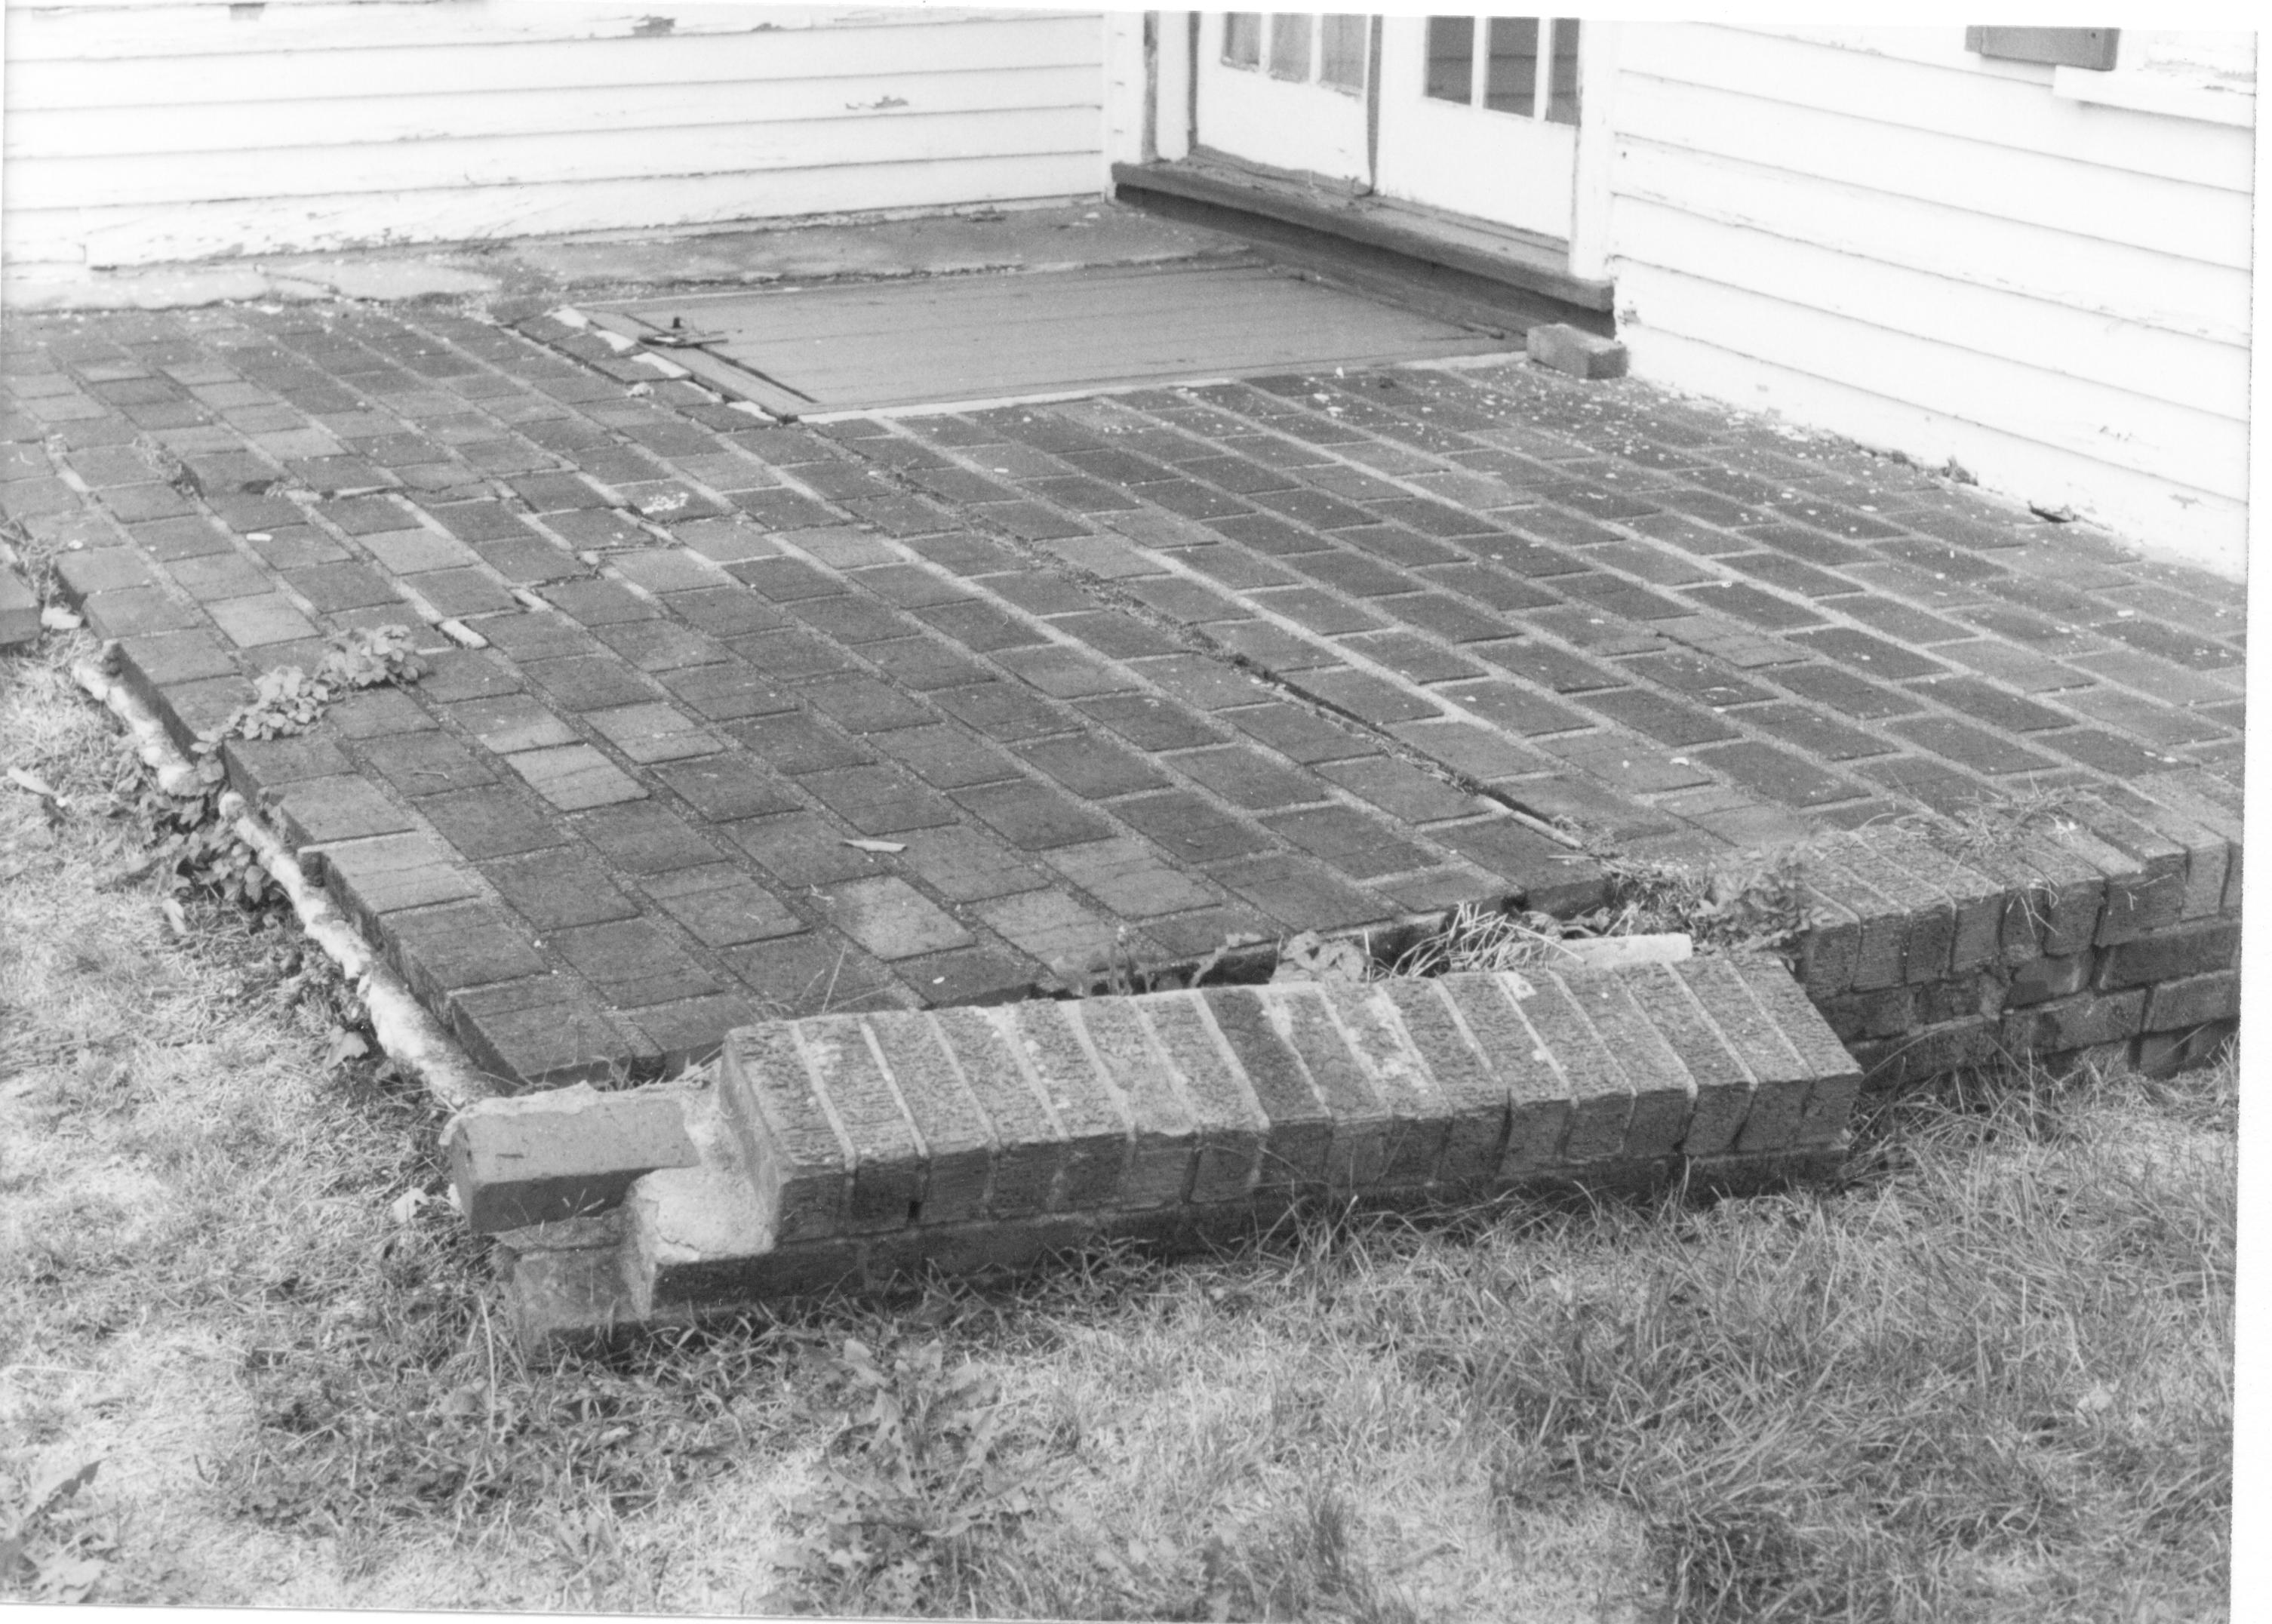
x: 288, y: 700
x: 196, y: 851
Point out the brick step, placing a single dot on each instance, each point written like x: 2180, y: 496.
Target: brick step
x: 853, y: 1149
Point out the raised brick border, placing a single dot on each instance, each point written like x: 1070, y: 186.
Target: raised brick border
x: 856, y: 1148
x: 2110, y: 927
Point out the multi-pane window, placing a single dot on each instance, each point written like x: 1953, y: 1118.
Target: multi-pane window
x: 1301, y: 47
x: 1504, y: 77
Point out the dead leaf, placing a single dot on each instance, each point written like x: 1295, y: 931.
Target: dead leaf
x: 38, y: 786
x: 877, y: 845
x: 175, y: 917
x: 345, y: 1046
x: 403, y: 1208
x: 61, y: 1486
x: 55, y: 617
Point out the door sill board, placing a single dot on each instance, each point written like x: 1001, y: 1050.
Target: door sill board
x: 1435, y: 237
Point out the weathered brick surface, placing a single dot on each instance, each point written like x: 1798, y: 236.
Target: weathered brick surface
x: 784, y: 639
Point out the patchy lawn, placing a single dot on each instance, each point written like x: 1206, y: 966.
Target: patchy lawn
x: 1989, y: 1376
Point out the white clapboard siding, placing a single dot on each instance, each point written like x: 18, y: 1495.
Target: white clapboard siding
x: 95, y: 30
x: 2142, y: 286
x: 1994, y: 323
x: 2202, y: 450
x: 1949, y: 98
x: 236, y: 127
x: 254, y: 76
x: 514, y: 160
x: 145, y: 132
x: 134, y: 235
x: 1876, y: 232
x: 1963, y: 174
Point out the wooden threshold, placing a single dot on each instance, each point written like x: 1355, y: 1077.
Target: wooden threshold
x: 1430, y: 236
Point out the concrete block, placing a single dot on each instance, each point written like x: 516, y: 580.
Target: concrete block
x: 537, y: 1158
x: 1579, y: 354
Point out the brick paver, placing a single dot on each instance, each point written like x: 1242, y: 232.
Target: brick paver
x: 730, y: 718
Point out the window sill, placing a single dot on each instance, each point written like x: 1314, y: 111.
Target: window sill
x: 2199, y: 96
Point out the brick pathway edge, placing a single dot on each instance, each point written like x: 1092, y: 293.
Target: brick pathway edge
x: 852, y: 1150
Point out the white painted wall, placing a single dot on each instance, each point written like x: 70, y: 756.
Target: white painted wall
x: 1875, y: 232
x: 149, y: 131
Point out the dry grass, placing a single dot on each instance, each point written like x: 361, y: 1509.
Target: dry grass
x: 1988, y: 1377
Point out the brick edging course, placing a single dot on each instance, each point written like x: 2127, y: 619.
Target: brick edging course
x: 858, y: 1147
x: 2110, y: 926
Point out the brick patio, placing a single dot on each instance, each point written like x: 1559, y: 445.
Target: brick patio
x: 1163, y: 669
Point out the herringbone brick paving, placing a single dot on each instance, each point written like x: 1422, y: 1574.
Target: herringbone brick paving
x: 1167, y: 668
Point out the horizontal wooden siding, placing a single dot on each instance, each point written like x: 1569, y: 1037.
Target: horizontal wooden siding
x: 1877, y: 232
x: 145, y: 133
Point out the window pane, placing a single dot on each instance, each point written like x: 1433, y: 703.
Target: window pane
x: 1513, y: 71
x: 1562, y: 106
x: 1451, y: 58
x: 1343, y: 43
x: 1242, y: 38
x: 1289, y: 45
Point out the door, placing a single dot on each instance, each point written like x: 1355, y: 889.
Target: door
x: 1286, y: 89
x: 1473, y: 115
x: 1479, y: 115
